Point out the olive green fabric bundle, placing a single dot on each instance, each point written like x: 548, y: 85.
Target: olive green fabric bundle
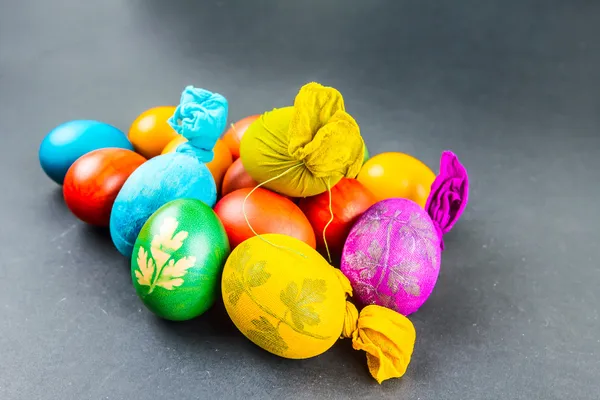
x: 303, y: 150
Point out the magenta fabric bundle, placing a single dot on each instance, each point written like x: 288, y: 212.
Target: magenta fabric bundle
x: 392, y: 255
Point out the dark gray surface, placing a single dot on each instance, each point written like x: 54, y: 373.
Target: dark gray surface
x: 513, y: 87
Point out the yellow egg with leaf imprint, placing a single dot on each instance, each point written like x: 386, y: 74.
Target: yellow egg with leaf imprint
x: 289, y: 302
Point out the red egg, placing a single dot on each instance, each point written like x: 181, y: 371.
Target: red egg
x: 267, y: 212
x: 233, y: 136
x: 94, y: 180
x: 349, y: 200
x: 236, y: 178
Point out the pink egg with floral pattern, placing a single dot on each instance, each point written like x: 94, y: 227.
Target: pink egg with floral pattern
x: 392, y: 255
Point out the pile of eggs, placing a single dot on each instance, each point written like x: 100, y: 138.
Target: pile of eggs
x: 185, y: 243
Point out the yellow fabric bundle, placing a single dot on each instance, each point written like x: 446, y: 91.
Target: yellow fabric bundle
x: 312, y: 145
x: 283, y: 296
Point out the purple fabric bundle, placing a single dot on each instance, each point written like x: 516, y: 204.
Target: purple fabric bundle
x: 392, y: 254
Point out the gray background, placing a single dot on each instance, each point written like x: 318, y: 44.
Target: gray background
x: 513, y: 87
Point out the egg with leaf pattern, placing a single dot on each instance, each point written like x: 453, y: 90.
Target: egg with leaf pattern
x: 178, y: 258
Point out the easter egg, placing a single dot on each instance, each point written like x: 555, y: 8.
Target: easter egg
x: 284, y: 297
x: 267, y: 212
x: 392, y: 256
x: 349, y: 199
x: 236, y: 178
x: 233, y: 136
x: 391, y: 175
x: 366, y: 156
x: 178, y: 258
x: 173, y: 144
x: 289, y: 302
x: 94, y: 180
x: 69, y: 141
x: 158, y: 181
x: 220, y: 163
x: 150, y: 132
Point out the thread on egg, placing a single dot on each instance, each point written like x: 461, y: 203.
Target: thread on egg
x: 329, y: 222
x: 246, y: 216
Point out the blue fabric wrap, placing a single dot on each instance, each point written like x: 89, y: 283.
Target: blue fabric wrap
x: 201, y: 118
x: 156, y: 182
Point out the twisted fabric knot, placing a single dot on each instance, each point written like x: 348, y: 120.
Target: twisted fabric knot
x: 201, y: 118
x: 449, y: 194
x: 323, y: 135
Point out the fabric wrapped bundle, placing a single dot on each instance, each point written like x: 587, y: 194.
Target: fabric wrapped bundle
x: 392, y: 255
x: 201, y: 118
x: 308, y: 147
x: 283, y: 296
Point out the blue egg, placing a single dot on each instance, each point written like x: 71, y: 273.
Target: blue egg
x: 71, y: 140
x: 155, y: 183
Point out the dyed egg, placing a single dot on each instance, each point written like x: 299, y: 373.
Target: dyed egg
x: 150, y: 132
x: 220, y: 163
x: 284, y: 297
x: 236, y: 178
x: 267, y: 212
x: 392, y: 255
x: 158, y: 181
x: 178, y: 258
x: 367, y: 155
x: 171, y: 147
x: 392, y: 175
x: 233, y: 136
x: 94, y: 180
x: 69, y: 141
x: 349, y: 199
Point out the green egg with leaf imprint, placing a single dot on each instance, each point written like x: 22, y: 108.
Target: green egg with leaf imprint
x: 178, y: 259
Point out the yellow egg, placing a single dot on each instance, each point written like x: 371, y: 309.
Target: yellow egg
x: 393, y: 175
x: 284, y: 296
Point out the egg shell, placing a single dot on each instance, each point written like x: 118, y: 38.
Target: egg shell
x: 178, y: 259
x: 397, y: 175
x: 392, y: 256
x: 236, y: 178
x: 286, y: 299
x: 233, y: 136
x: 94, y: 180
x: 218, y: 166
x: 349, y: 199
x: 158, y: 181
x: 150, y: 133
x: 63, y: 145
x: 267, y: 212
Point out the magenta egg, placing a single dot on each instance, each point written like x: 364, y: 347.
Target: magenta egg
x: 392, y: 255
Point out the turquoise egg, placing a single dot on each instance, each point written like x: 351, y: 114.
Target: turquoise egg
x: 158, y: 181
x: 71, y: 140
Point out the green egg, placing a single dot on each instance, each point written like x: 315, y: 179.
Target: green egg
x: 178, y: 258
x: 366, y: 155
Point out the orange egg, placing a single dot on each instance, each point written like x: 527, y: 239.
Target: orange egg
x: 150, y: 132
x: 218, y: 166
x: 173, y: 144
x: 390, y: 175
x: 234, y: 134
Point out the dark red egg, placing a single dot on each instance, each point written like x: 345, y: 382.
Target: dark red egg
x: 349, y: 200
x: 267, y: 212
x: 94, y: 180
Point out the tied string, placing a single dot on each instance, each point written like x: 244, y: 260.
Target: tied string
x: 246, y: 215
x: 329, y: 222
